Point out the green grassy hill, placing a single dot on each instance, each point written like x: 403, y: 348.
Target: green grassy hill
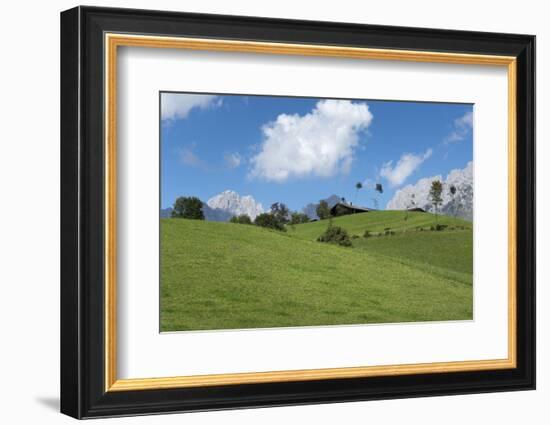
x: 377, y: 221
x: 447, y: 253
x: 230, y: 276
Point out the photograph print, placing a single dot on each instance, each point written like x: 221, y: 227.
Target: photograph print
x: 292, y: 211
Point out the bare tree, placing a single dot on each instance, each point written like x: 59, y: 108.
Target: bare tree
x: 380, y: 190
x: 375, y: 203
x: 358, y: 187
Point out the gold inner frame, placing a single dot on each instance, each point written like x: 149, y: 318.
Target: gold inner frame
x: 113, y: 41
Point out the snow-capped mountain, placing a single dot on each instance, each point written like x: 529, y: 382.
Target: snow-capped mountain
x: 459, y: 205
x: 229, y: 203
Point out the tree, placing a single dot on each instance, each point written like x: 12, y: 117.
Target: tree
x: 281, y: 212
x: 378, y: 188
x: 435, y: 195
x: 298, y: 218
x: 358, y: 187
x: 269, y: 221
x: 452, y: 191
x: 188, y: 207
x: 241, y: 219
x: 322, y: 210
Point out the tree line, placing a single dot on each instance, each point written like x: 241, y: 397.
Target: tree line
x: 277, y: 218
x: 279, y: 215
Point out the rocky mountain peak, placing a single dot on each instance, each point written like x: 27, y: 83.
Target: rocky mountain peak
x: 232, y: 203
x: 459, y: 205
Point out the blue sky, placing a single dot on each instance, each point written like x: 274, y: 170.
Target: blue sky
x: 300, y: 150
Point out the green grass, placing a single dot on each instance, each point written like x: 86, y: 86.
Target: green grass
x: 230, y: 276
x: 448, y: 253
x: 376, y: 221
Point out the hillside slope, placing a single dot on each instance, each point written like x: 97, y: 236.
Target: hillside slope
x: 376, y: 221
x: 230, y: 276
x: 447, y: 253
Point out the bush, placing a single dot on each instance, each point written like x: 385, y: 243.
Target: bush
x: 335, y: 235
x: 438, y: 227
x: 269, y: 221
x: 367, y: 234
x: 241, y: 219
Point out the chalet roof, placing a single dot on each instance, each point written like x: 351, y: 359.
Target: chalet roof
x: 350, y: 207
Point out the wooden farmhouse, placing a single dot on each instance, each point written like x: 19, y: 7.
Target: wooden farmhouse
x: 342, y: 208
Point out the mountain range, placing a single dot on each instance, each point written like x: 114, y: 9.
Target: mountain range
x: 458, y: 205
x: 228, y: 203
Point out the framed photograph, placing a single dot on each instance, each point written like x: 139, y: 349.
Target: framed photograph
x: 261, y: 212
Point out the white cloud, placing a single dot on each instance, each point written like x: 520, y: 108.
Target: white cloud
x: 232, y: 160
x: 320, y: 143
x: 462, y: 127
x: 407, y: 164
x: 179, y: 105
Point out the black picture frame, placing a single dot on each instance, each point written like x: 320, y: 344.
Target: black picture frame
x: 83, y: 392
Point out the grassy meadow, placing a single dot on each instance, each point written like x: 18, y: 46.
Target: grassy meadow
x: 218, y: 275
